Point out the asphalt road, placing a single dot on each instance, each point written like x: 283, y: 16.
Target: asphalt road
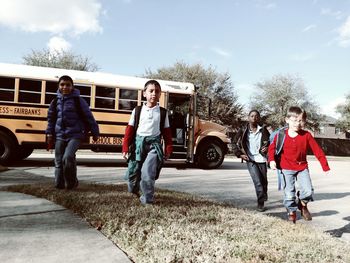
x: 230, y: 183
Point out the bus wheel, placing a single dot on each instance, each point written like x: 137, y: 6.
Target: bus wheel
x: 7, y: 148
x: 210, y: 155
x: 24, y: 152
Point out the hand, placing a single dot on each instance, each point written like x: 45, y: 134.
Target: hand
x: 264, y: 149
x: 49, y: 141
x: 327, y: 173
x: 244, y: 157
x: 273, y: 165
x: 95, y: 138
x: 125, y: 155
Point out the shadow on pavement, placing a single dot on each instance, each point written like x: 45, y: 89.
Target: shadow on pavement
x: 338, y: 232
x: 330, y: 196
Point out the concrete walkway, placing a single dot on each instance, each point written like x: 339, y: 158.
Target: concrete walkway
x: 37, y: 230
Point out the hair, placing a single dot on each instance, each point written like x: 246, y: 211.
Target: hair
x: 256, y: 111
x: 66, y: 78
x: 296, y: 111
x: 152, y: 82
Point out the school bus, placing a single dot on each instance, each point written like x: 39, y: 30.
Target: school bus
x: 26, y: 93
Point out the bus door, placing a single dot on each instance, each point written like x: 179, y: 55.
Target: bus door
x: 178, y: 108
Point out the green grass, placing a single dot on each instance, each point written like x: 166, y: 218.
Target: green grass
x: 184, y: 228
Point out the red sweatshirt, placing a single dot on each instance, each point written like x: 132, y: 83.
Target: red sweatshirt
x: 293, y: 156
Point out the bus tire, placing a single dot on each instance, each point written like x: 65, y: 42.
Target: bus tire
x: 8, y: 148
x: 24, y: 152
x: 210, y: 155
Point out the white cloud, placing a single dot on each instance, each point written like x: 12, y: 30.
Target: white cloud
x: 221, y: 52
x: 344, y: 34
x: 309, y: 27
x: 58, y: 44
x: 329, y: 12
x: 65, y: 16
x: 329, y: 108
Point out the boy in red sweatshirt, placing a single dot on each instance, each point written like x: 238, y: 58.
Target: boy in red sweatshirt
x: 142, y: 143
x: 293, y: 164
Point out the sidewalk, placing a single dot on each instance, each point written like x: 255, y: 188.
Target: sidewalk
x: 37, y: 230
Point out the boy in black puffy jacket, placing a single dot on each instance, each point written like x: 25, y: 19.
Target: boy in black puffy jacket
x: 68, y: 127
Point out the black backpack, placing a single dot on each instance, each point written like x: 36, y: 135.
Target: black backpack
x: 163, y: 112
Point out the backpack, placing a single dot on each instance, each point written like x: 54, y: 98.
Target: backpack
x: 87, y: 129
x: 163, y: 112
x: 281, y: 135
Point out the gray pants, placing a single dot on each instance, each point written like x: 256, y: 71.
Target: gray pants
x: 258, y: 173
x: 65, y: 163
x: 145, y: 176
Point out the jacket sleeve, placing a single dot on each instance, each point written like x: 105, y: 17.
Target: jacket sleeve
x: 129, y: 134
x: 272, y: 150
x: 89, y: 117
x: 237, y: 143
x: 51, y: 122
x: 318, y: 152
x: 166, y: 132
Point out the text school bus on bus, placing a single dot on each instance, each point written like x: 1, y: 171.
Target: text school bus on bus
x: 26, y: 93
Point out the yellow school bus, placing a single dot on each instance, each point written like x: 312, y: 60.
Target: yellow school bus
x: 26, y: 93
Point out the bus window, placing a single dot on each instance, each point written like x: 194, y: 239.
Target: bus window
x: 51, y: 91
x: 7, y: 89
x: 127, y: 99
x: 85, y: 92
x: 29, y: 91
x: 105, y: 98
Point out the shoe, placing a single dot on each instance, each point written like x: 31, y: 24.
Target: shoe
x: 304, y: 211
x: 261, y: 208
x: 144, y: 202
x: 137, y: 194
x: 74, y: 186
x: 292, y: 216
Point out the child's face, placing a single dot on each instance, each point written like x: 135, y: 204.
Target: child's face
x: 253, y: 117
x: 65, y: 87
x: 152, y: 94
x: 295, y: 123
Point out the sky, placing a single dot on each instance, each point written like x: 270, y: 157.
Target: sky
x: 252, y: 40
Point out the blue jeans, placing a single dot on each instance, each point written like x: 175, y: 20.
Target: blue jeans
x: 65, y: 163
x: 145, y: 176
x: 258, y: 173
x: 304, y: 185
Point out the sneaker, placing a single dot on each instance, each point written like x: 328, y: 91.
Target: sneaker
x: 292, y: 216
x: 144, y: 202
x: 74, y: 186
x: 304, y: 211
x: 261, y: 208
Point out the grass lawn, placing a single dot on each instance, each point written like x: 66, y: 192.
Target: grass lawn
x: 182, y: 228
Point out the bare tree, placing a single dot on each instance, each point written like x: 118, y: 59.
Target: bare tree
x: 212, y: 86
x: 274, y: 96
x: 344, y: 110
x: 59, y: 59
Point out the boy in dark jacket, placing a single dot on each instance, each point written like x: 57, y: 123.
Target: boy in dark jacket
x: 251, y: 144
x: 67, y: 128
